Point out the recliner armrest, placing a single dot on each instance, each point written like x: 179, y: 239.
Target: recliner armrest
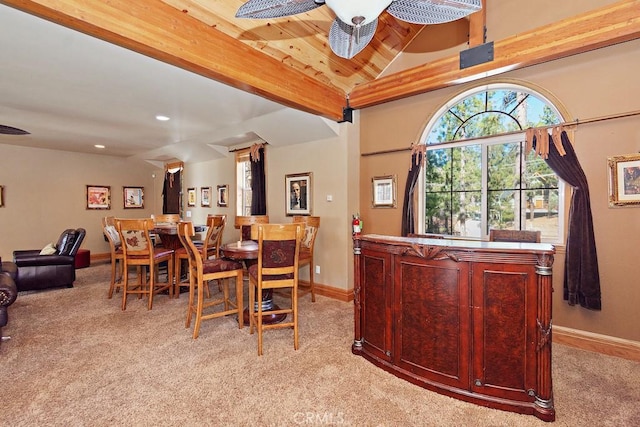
x: 8, y: 290
x: 26, y: 253
x: 30, y: 260
x: 8, y: 294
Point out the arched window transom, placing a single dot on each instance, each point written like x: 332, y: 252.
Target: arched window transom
x: 477, y: 176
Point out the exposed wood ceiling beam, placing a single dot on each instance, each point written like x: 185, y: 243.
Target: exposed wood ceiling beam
x: 160, y: 31
x: 477, y: 26
x: 615, y: 23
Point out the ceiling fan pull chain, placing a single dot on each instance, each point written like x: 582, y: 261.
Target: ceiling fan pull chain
x: 357, y: 21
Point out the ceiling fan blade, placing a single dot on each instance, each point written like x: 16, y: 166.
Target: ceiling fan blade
x: 432, y: 11
x: 347, y: 41
x: 260, y: 9
x: 8, y: 130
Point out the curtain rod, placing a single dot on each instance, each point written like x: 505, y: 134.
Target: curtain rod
x: 576, y: 122
x: 173, y: 165
x: 248, y: 147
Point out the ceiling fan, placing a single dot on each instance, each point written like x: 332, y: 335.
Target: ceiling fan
x: 357, y: 20
x: 8, y: 130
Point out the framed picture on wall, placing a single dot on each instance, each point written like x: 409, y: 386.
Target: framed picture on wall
x: 223, y: 195
x: 98, y: 197
x: 624, y: 180
x: 133, y: 197
x: 191, y: 197
x: 383, y: 192
x: 1, y: 196
x: 298, y: 194
x: 205, y: 196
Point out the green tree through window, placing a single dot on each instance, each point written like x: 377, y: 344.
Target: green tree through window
x: 477, y: 176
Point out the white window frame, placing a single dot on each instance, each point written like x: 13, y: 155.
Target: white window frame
x: 242, y: 157
x: 563, y: 189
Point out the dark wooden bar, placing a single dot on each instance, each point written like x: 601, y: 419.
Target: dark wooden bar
x: 468, y: 319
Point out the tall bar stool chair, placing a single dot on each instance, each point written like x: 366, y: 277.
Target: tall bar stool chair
x: 209, y: 248
x: 244, y: 223
x: 311, y: 225
x: 525, y: 236
x: 203, y: 270
x: 213, y: 239
x: 139, y: 252
x: 277, y: 268
x: 117, y: 256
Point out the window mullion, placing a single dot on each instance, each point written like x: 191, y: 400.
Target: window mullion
x: 484, y: 219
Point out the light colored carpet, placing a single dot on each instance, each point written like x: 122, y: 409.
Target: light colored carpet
x: 76, y: 359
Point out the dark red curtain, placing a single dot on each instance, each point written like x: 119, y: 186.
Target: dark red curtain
x: 408, y: 214
x: 581, y: 275
x: 258, y: 184
x: 171, y: 192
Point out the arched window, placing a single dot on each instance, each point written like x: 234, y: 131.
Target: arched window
x: 477, y: 176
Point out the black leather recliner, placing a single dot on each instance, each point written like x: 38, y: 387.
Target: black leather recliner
x: 37, y: 271
x: 8, y: 292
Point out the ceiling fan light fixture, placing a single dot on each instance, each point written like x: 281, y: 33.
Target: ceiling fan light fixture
x: 347, y: 41
x: 356, y: 20
x: 354, y: 10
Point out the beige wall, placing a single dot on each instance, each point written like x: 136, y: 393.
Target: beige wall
x: 328, y: 161
x: 594, y: 84
x: 45, y: 194
x: 44, y: 190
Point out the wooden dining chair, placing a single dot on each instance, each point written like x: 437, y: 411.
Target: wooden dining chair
x: 277, y: 268
x: 201, y: 271
x: 209, y: 248
x: 139, y: 252
x: 117, y: 255
x: 213, y: 239
x: 311, y: 226
x: 528, y: 236
x: 244, y: 223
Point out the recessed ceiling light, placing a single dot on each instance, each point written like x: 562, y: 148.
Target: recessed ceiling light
x: 99, y: 146
x: 162, y: 118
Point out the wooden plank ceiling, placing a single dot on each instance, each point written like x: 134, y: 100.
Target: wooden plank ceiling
x: 289, y: 61
x: 301, y: 41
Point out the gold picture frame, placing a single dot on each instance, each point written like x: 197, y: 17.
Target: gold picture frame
x: 383, y: 191
x: 624, y: 180
x: 98, y: 197
x: 191, y: 197
x: 205, y: 197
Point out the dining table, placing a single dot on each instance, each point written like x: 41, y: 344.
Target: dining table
x: 168, y: 233
x: 246, y: 251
